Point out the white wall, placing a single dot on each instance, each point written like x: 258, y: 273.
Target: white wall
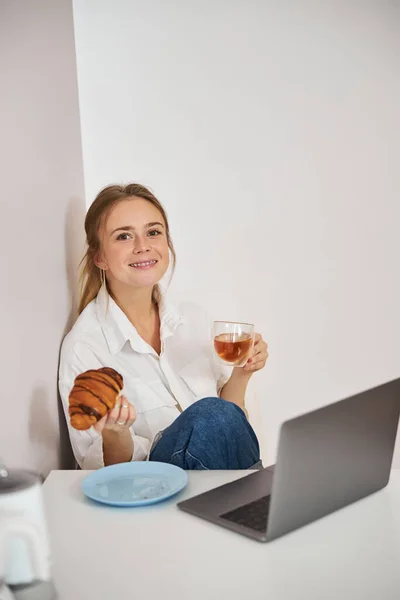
x: 42, y: 207
x: 270, y: 130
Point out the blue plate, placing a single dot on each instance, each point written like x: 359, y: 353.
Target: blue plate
x: 134, y: 483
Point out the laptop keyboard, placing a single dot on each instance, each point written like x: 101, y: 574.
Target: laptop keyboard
x: 253, y: 515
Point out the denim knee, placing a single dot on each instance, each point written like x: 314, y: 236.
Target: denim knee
x: 223, y: 426
x: 212, y: 433
x: 222, y: 413
x: 218, y: 407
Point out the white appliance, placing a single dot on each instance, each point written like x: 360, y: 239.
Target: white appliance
x: 24, y: 543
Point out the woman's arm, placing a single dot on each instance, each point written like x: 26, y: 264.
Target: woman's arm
x: 235, y: 388
x: 117, y: 447
x: 118, y: 444
x: 91, y: 449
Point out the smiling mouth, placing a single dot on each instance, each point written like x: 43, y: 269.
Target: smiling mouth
x: 143, y: 265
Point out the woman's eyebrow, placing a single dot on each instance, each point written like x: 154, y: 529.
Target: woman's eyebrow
x: 130, y: 228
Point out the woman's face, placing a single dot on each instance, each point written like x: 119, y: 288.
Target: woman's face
x: 134, y: 247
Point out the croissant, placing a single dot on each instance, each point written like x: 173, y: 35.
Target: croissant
x: 94, y: 393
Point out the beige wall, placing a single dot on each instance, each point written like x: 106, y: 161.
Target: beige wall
x: 270, y: 130
x: 42, y: 208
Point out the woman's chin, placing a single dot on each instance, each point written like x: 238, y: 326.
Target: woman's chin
x: 138, y: 279
x: 146, y: 279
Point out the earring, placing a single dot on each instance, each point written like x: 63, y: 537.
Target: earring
x: 103, y: 279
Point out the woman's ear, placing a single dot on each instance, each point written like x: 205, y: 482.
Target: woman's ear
x: 101, y: 264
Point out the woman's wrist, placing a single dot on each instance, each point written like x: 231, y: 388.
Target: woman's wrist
x: 239, y: 374
x: 235, y: 388
x: 117, y: 446
x: 113, y: 434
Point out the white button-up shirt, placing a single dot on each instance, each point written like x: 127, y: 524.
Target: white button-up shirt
x: 184, y: 372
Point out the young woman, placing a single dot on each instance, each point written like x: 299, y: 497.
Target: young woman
x: 177, y: 405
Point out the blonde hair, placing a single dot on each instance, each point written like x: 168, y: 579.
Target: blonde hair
x: 106, y: 199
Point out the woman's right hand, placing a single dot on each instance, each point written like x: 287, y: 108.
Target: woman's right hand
x: 119, y: 419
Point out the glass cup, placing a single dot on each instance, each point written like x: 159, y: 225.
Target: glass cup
x: 233, y: 342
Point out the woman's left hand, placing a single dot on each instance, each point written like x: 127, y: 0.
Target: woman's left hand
x: 258, y: 357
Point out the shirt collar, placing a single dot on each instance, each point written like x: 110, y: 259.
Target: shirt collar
x: 118, y: 329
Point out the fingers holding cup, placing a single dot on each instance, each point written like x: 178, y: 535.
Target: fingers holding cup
x: 259, y: 355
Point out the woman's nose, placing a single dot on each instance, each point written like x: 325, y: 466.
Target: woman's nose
x: 141, y: 244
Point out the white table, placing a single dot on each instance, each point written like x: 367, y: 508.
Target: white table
x: 160, y: 552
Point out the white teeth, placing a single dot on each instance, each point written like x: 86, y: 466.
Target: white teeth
x: 143, y: 264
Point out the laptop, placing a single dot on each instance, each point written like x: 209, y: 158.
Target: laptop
x: 326, y: 459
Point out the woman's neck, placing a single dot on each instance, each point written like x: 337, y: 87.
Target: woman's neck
x: 137, y: 304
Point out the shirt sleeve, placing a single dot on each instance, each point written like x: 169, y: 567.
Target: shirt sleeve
x: 87, y: 445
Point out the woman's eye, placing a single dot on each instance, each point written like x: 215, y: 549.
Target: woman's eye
x: 123, y: 236
x: 154, y: 232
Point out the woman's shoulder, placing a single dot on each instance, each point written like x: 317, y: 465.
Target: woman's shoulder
x: 86, y: 323
x: 192, y: 310
x: 194, y: 319
x: 85, y: 332
x: 188, y: 312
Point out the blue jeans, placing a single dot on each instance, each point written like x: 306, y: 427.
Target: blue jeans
x: 210, y: 434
